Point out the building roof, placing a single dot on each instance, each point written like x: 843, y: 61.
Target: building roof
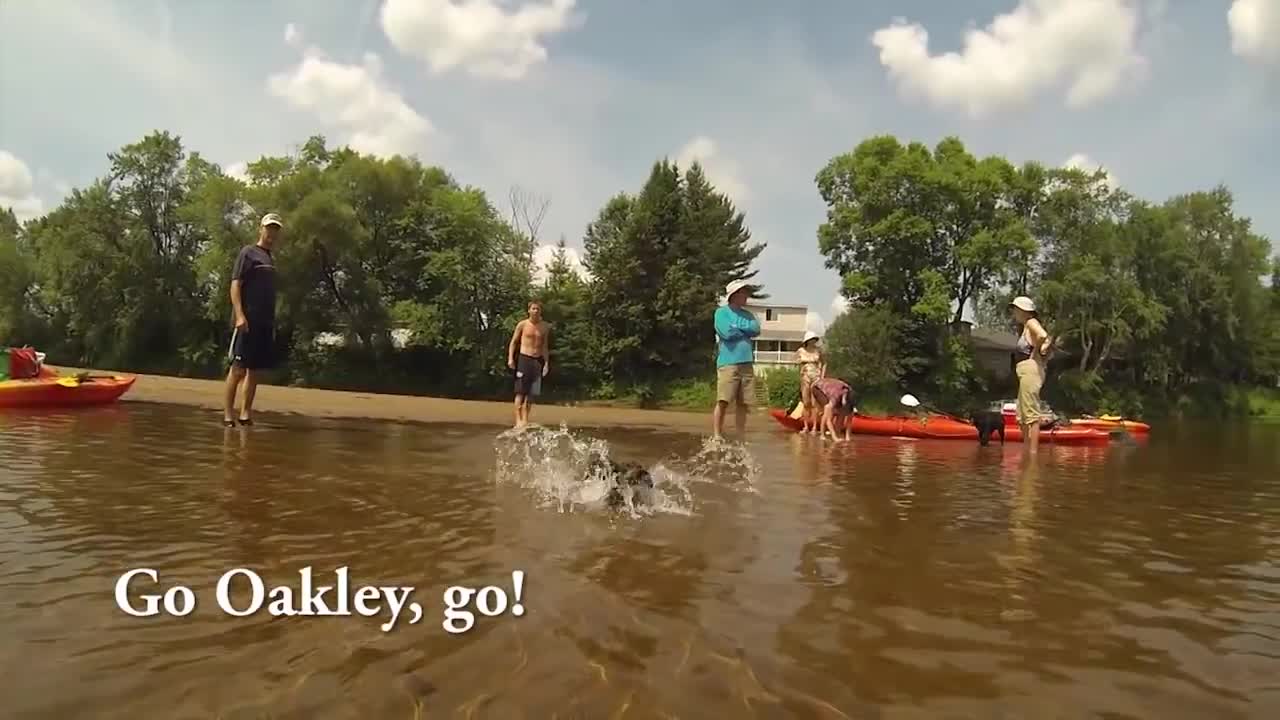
x: 993, y: 339
x: 776, y: 306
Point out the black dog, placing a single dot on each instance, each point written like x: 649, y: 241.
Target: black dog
x: 988, y: 422
x: 625, y: 475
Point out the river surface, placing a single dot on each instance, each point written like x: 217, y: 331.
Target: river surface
x: 882, y: 578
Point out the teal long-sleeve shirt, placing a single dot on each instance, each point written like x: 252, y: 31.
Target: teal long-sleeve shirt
x: 734, y: 329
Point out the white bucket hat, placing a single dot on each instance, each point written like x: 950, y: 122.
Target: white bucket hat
x: 1023, y: 303
x: 734, y: 287
x: 809, y: 335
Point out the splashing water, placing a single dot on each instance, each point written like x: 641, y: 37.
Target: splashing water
x: 726, y: 464
x: 567, y: 471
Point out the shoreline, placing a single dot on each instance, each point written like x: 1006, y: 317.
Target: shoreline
x: 355, y: 405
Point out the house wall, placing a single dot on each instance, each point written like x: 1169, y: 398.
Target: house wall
x: 778, y: 318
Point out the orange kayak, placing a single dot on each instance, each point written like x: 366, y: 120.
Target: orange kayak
x: 940, y: 427
x: 1105, y: 422
x: 49, y: 389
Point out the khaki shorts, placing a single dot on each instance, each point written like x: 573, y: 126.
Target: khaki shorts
x: 1030, y: 380
x: 736, y: 383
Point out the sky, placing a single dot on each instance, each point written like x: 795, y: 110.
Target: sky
x: 574, y: 100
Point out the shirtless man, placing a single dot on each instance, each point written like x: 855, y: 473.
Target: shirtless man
x: 532, y: 338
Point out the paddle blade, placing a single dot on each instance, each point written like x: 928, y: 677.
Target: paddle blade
x: 798, y: 412
x: 909, y: 400
x: 68, y: 382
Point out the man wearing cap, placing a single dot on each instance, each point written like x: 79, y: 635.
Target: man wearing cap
x: 253, y: 303
x: 735, y: 363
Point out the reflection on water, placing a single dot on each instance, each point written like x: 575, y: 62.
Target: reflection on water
x: 791, y: 577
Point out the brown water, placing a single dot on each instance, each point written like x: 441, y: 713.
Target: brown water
x: 881, y: 579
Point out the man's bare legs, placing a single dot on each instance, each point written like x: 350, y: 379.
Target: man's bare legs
x: 740, y: 419
x: 522, y: 411
x: 717, y: 419
x: 234, y: 376
x: 250, y: 390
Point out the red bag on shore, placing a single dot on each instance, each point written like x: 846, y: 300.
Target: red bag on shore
x: 23, y: 363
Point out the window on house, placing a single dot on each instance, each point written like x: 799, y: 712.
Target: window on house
x: 768, y: 314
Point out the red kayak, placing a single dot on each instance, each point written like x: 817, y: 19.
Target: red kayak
x: 1105, y: 422
x: 941, y: 427
x: 49, y: 389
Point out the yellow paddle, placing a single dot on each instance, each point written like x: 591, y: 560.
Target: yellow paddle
x: 68, y: 381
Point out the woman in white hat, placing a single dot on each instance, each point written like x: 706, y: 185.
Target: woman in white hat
x: 813, y: 367
x: 1031, y: 358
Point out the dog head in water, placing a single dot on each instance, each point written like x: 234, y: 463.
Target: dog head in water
x: 627, y: 475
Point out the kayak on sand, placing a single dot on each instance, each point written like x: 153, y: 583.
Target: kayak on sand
x: 941, y: 427
x: 49, y: 389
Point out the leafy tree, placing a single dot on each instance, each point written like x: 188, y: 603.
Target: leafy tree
x: 16, y: 278
x: 659, y: 262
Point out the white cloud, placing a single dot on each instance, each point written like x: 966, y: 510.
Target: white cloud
x: 813, y: 321
x: 17, y: 188
x: 1089, y: 45
x: 237, y: 170
x: 544, y: 255
x: 721, y: 171
x: 355, y: 98
x: 1255, y: 30
x: 479, y: 36
x: 1080, y: 161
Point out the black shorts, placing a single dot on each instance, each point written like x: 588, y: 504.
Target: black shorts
x: 253, y: 348
x: 528, y: 375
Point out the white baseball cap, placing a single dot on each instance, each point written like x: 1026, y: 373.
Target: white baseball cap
x: 734, y: 287
x: 1024, y: 303
x: 271, y: 219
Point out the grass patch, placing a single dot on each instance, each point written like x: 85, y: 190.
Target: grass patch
x: 1263, y: 403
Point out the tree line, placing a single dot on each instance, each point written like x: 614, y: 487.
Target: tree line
x: 422, y: 278
x: 1159, y: 306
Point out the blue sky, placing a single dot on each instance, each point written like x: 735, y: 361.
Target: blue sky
x: 575, y: 100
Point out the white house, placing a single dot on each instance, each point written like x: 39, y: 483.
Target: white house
x: 781, y: 332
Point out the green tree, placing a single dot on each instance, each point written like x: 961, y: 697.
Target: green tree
x: 921, y: 232
x: 659, y: 262
x: 565, y: 297
x: 16, y: 278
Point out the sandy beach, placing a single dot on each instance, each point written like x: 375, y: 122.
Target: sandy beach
x: 312, y: 402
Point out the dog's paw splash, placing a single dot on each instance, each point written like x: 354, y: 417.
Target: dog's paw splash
x: 569, y: 472
x: 726, y: 464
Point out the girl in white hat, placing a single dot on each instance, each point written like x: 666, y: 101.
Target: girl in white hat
x: 813, y: 367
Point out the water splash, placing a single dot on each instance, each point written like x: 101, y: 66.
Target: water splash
x: 569, y: 471
x: 724, y: 463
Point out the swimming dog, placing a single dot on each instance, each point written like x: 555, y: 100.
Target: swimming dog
x: 988, y: 423
x: 625, y: 475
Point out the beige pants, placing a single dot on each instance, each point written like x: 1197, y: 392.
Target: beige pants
x: 1030, y: 379
x: 736, y: 383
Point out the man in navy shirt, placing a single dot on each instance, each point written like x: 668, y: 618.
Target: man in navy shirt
x: 253, y: 301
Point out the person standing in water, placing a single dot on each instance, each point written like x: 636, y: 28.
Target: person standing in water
x: 253, y: 303
x: 532, y: 338
x: 735, y: 362
x: 813, y: 367
x: 1031, y: 359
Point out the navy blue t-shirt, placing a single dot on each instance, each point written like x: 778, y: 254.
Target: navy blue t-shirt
x: 256, y: 271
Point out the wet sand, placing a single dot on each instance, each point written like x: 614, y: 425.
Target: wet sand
x: 312, y: 402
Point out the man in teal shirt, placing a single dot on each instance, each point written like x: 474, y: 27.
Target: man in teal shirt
x: 735, y: 363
